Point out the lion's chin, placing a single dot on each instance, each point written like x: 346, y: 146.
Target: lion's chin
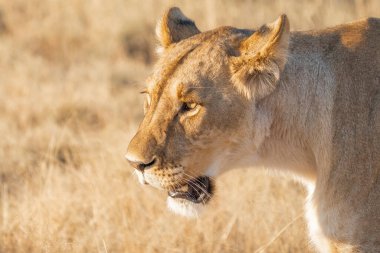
x: 184, y: 207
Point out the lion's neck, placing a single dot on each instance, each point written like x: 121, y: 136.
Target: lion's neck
x: 295, y: 119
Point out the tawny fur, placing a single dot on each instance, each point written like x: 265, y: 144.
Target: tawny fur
x: 303, y: 102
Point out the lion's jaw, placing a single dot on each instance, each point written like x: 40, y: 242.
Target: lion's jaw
x: 217, y: 164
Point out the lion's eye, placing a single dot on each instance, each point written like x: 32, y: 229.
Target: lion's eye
x: 190, y: 109
x: 189, y: 106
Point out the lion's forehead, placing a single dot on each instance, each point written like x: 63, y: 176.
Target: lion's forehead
x: 189, y: 58
x: 167, y: 65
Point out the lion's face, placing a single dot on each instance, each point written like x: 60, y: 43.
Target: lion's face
x: 189, y: 119
x: 197, y: 113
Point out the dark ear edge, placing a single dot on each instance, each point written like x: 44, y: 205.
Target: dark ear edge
x: 174, y: 26
x: 263, y: 55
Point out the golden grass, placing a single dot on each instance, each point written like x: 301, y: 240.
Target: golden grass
x: 69, y: 75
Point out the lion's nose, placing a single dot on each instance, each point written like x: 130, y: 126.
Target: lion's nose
x: 140, y: 165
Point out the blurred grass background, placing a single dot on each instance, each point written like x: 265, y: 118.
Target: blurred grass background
x: 70, y: 72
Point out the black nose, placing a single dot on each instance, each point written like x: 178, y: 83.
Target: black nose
x: 141, y: 166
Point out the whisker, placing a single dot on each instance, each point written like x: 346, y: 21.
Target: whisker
x: 195, y: 178
x: 197, y: 186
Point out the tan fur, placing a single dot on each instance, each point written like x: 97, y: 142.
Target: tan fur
x: 174, y: 26
x: 303, y: 102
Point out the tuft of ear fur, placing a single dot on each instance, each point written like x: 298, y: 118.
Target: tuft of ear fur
x: 263, y: 55
x: 174, y: 27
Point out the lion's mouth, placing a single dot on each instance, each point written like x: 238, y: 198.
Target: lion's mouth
x: 197, y: 190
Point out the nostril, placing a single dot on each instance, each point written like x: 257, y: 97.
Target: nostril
x: 151, y: 163
x: 141, y: 166
x: 144, y: 166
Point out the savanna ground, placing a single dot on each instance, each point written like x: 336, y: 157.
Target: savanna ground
x: 70, y: 72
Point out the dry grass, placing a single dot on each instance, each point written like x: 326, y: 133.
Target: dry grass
x: 69, y: 74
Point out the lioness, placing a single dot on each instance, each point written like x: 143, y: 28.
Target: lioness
x: 303, y: 102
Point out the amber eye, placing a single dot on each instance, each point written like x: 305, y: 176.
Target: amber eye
x: 189, y: 106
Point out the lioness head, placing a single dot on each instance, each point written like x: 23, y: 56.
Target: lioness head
x: 200, y: 102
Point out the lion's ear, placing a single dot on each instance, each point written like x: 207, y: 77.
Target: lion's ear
x: 174, y: 27
x: 262, y: 56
